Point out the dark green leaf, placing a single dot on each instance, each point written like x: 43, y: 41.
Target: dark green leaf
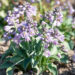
x: 26, y: 62
x: 38, y: 46
x: 15, y: 58
x: 6, y: 64
x: 64, y: 59
x: 7, y: 53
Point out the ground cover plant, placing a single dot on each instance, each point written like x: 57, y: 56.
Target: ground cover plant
x: 35, y: 45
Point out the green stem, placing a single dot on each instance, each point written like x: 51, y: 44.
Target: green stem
x: 40, y: 4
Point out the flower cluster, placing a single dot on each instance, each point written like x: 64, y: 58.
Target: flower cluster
x: 55, y: 17
x: 22, y: 27
x: 50, y: 33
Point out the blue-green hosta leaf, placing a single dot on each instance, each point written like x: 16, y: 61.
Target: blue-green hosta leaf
x: 9, y: 71
x: 53, y: 69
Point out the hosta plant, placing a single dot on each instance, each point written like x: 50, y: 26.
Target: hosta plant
x: 35, y: 46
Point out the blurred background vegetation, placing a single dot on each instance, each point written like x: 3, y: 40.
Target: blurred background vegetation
x: 5, y: 5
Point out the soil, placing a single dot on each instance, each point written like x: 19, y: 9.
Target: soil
x: 63, y: 69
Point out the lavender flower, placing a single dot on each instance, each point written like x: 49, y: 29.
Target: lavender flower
x: 47, y: 53
x: 59, y: 55
x: 30, y: 12
x: 49, y: 16
x: 58, y: 2
x: 8, y: 28
x: 25, y: 35
x: 55, y: 42
x: 43, y: 23
x: 59, y: 19
x: 32, y: 1
x: 31, y: 32
x: 48, y: 1
x: 65, y: 50
x: 73, y: 26
x: 71, y: 10
x: 56, y: 23
x: 16, y: 39
x: 48, y: 38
